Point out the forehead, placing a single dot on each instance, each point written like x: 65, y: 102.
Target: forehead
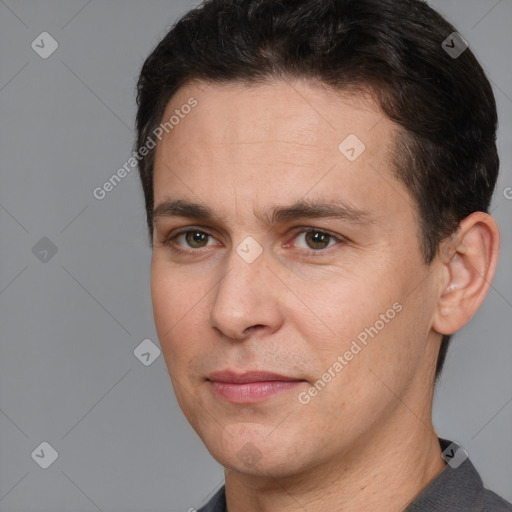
x: 272, y: 141
x: 304, y: 112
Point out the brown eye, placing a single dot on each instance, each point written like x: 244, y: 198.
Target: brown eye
x: 314, y: 239
x: 196, y: 239
x: 317, y: 239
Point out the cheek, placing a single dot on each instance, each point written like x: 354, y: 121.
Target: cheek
x: 338, y: 309
x: 174, y: 295
x: 174, y: 305
x: 163, y: 299
x: 366, y: 319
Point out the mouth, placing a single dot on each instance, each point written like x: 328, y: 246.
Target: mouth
x: 251, y: 386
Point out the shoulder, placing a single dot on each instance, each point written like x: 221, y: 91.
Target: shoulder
x: 217, y: 503
x: 458, y: 488
x: 491, y: 502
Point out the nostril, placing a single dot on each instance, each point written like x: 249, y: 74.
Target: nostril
x: 253, y: 327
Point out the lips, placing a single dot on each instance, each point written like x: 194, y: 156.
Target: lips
x: 230, y: 376
x: 251, y: 386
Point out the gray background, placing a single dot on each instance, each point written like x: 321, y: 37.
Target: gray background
x: 69, y: 325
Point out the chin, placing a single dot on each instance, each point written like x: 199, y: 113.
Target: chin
x: 256, y: 455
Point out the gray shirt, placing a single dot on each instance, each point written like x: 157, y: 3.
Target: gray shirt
x: 454, y: 490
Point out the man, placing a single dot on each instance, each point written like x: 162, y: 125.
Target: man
x: 317, y: 176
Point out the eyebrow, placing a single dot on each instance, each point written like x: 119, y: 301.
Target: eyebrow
x: 302, y: 209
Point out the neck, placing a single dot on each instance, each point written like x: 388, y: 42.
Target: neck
x: 384, y: 470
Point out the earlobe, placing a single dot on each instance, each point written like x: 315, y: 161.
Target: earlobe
x: 470, y: 267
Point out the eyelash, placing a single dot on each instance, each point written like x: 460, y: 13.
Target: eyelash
x: 169, y: 241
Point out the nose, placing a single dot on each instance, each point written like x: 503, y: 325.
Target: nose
x: 247, y: 299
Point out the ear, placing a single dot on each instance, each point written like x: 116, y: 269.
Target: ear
x: 469, y: 259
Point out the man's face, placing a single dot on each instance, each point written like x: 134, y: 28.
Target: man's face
x: 295, y: 296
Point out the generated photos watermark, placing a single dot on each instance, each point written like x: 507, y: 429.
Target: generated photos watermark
x: 304, y: 397
x: 179, y: 114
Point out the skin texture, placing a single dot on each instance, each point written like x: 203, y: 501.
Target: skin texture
x: 365, y: 441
